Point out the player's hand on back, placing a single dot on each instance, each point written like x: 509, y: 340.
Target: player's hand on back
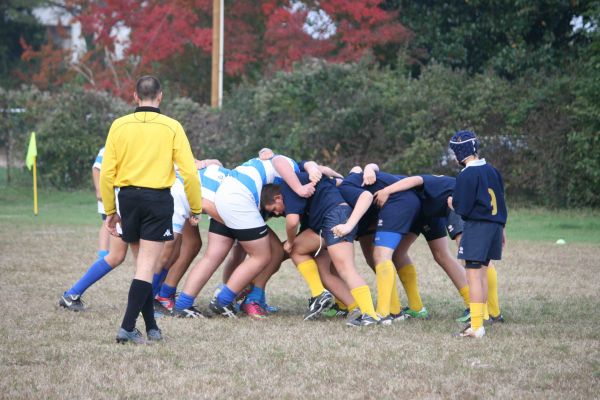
x: 380, y: 197
x: 307, y: 190
x: 369, y: 176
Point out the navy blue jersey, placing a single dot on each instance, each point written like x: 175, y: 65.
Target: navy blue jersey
x: 434, y: 194
x: 479, y: 193
x: 325, y: 198
x: 400, y: 209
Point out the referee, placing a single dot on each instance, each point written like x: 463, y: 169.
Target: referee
x: 140, y: 151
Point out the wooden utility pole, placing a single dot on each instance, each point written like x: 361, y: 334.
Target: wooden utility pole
x: 216, y: 96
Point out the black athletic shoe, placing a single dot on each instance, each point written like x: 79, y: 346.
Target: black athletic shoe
x: 363, y: 320
x: 135, y: 336
x: 155, y: 335
x: 191, y: 312
x: 318, y: 304
x: 227, y: 311
x: 71, y: 302
x: 493, y: 320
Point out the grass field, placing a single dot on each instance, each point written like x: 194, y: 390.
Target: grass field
x: 549, y: 347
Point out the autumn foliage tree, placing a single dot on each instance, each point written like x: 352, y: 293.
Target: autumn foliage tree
x: 174, y: 38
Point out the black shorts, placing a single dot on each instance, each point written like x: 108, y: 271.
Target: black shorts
x: 242, y: 235
x: 146, y: 214
x: 432, y: 228
x: 454, y: 224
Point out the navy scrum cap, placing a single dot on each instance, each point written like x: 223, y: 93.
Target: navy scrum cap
x: 464, y: 144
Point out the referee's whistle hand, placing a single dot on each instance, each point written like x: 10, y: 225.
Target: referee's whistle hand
x: 111, y: 224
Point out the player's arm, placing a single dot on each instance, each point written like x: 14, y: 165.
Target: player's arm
x: 209, y: 208
x: 362, y: 205
x: 313, y: 170
x: 107, y: 185
x: 330, y: 172
x: 411, y: 182
x: 292, y: 221
x: 370, y: 174
x: 287, y: 173
x: 183, y: 157
x: 201, y: 164
x: 96, y: 180
x: 464, y: 196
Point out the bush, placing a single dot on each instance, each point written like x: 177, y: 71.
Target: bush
x: 74, y: 127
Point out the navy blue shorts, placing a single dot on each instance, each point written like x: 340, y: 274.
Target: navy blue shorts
x: 432, y: 228
x: 399, y: 215
x: 454, y: 224
x: 338, y: 215
x: 481, y: 242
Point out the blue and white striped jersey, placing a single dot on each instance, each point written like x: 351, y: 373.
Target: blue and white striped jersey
x: 98, y: 162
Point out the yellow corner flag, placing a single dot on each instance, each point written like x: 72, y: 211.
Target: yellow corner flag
x: 31, y: 152
x: 30, y: 162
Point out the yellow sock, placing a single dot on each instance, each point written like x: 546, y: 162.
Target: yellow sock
x: 362, y: 295
x: 493, y: 303
x: 352, y: 307
x: 385, y: 283
x: 340, y: 305
x: 464, y: 293
x: 486, y: 314
x: 395, y: 304
x: 476, y: 315
x: 310, y: 272
x: 408, y: 277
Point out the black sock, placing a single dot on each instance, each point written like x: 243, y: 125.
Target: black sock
x: 148, y: 313
x: 139, y: 291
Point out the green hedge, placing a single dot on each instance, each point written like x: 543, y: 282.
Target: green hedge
x: 540, y: 131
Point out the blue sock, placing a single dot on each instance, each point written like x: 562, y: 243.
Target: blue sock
x: 96, y: 271
x: 157, y: 280
x: 263, y: 298
x: 184, y: 301
x: 226, y: 296
x: 102, y: 253
x: 166, y: 291
x: 255, y: 295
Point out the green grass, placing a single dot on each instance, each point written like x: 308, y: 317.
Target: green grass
x: 548, y: 348
x: 79, y: 208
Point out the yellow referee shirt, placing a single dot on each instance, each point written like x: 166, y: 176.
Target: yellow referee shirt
x: 140, y: 151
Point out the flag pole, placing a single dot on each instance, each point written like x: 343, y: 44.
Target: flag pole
x: 35, y: 198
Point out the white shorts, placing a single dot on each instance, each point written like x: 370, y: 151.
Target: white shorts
x: 235, y: 205
x: 181, y: 207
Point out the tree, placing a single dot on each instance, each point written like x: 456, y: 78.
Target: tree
x: 18, y: 22
x: 508, y: 36
x: 173, y: 39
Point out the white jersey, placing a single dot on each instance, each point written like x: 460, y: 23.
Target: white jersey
x: 211, y: 178
x: 98, y: 165
x: 255, y: 173
x: 238, y: 198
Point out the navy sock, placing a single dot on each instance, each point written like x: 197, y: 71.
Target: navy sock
x: 96, y: 271
x: 184, y: 301
x: 157, y: 280
x: 166, y: 291
x: 226, y: 296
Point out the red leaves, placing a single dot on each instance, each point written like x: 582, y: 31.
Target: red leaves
x: 259, y: 36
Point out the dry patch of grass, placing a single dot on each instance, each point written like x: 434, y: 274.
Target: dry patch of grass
x: 549, y: 347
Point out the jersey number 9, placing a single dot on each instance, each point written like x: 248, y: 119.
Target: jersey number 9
x: 493, y: 202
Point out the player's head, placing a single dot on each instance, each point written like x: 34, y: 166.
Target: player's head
x: 147, y: 88
x: 464, y: 144
x: 271, y: 199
